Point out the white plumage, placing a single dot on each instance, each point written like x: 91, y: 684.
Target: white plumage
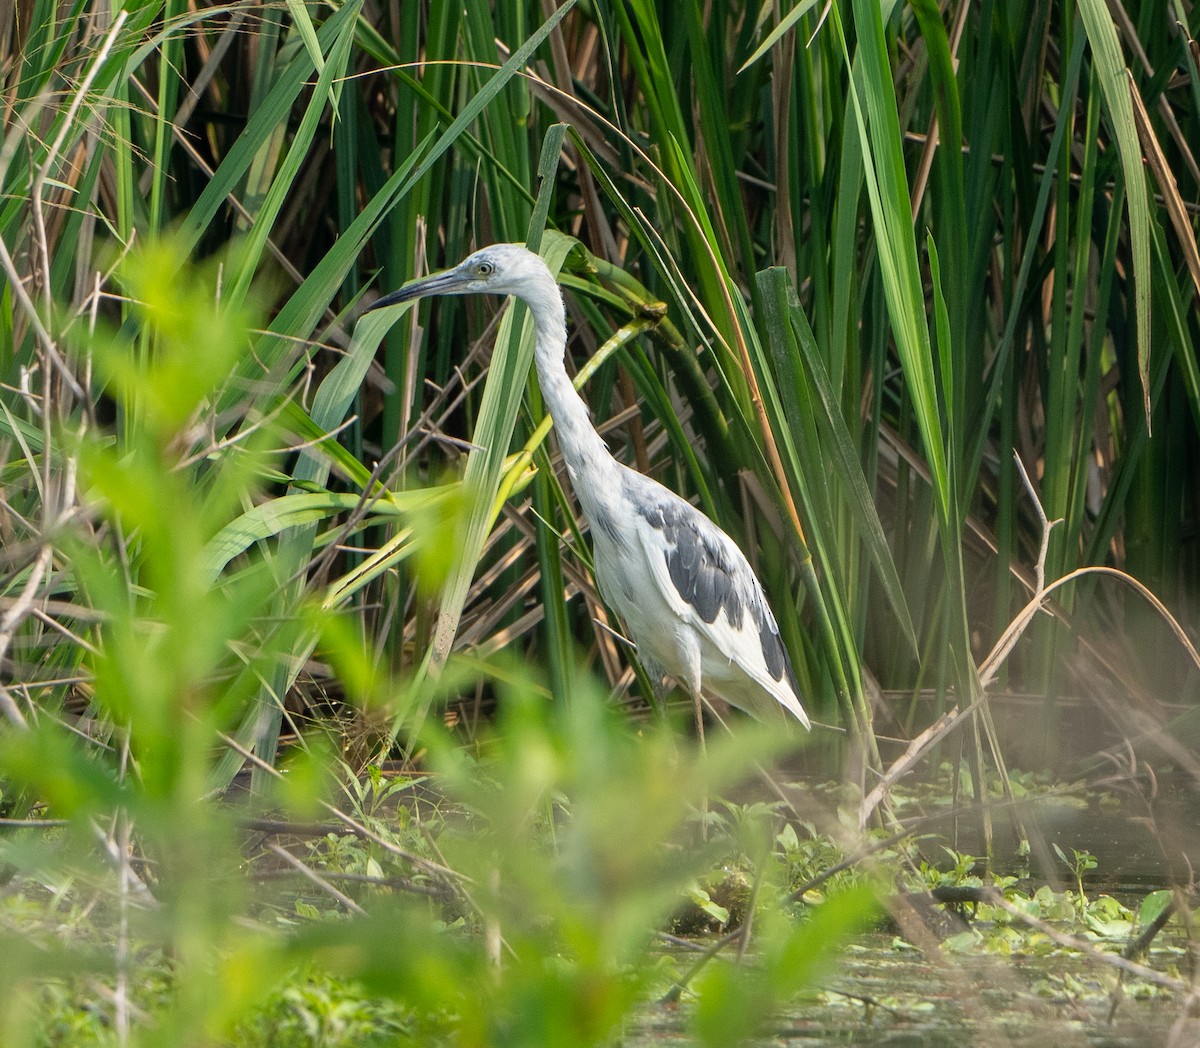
x: 686, y: 593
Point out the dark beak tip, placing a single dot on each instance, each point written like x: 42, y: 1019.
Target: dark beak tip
x: 392, y: 299
x: 442, y: 283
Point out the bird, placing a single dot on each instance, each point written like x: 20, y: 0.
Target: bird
x: 688, y: 597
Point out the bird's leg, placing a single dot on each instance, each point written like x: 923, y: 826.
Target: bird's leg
x: 698, y: 706
x: 690, y: 678
x: 492, y: 938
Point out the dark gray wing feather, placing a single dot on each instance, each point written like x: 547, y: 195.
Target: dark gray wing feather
x: 711, y: 574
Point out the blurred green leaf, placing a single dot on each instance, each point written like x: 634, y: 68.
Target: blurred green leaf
x: 734, y: 1002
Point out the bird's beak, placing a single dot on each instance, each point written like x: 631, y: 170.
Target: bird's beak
x: 437, y: 284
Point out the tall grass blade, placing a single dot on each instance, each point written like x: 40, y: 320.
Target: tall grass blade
x: 1115, y: 87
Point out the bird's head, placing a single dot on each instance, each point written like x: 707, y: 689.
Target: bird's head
x: 502, y: 269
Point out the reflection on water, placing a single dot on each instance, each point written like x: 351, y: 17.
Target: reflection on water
x: 1140, y: 842
x: 886, y: 994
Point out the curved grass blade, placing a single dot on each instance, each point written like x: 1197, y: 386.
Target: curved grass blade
x: 297, y: 153
x: 776, y: 34
x: 835, y: 437
x: 507, y: 377
x: 272, y: 114
x: 1111, y: 70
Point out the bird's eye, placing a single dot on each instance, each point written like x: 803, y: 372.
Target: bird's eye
x: 484, y: 269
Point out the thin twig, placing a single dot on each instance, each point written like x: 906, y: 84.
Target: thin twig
x: 66, y: 121
x: 1004, y: 646
x: 453, y: 877
x: 49, y: 350
x: 316, y: 878
x: 121, y: 989
x: 936, y: 732
x: 13, y: 618
x: 1112, y: 960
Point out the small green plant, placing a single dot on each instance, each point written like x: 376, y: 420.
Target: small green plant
x: 960, y: 872
x: 1081, y: 862
x: 315, y: 1010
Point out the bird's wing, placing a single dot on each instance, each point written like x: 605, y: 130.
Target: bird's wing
x: 702, y: 568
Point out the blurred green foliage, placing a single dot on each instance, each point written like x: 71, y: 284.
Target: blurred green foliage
x: 826, y: 274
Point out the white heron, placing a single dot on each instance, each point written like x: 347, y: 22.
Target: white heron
x: 686, y: 593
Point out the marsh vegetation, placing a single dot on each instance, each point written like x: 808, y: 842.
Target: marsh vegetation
x: 315, y: 728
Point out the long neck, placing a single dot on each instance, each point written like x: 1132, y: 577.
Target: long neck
x: 593, y: 470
